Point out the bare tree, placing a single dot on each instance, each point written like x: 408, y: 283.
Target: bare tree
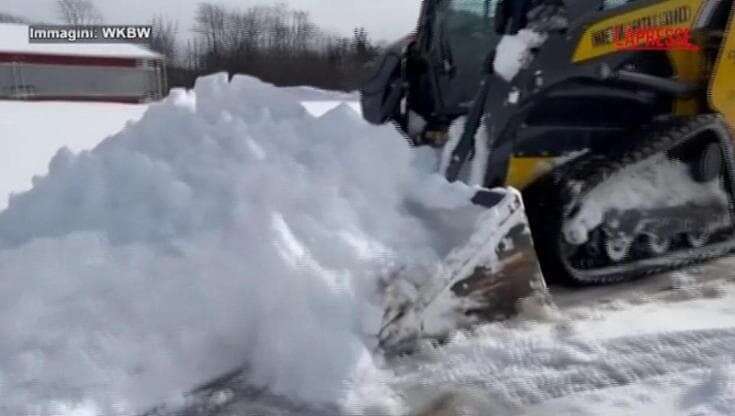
x: 192, y: 55
x: 277, y: 44
x: 164, y: 35
x: 10, y: 18
x: 304, y: 31
x: 78, y: 12
x: 364, y: 49
x: 210, y: 22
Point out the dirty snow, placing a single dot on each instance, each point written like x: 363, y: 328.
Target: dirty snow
x: 32, y: 132
x: 227, y: 226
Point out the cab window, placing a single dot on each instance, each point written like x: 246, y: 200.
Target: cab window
x: 463, y: 35
x: 481, y: 8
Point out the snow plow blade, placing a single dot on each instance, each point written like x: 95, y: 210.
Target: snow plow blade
x: 484, y: 280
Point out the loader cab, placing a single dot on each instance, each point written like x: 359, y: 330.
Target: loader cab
x: 453, y: 40
x: 435, y: 73
x: 454, y: 46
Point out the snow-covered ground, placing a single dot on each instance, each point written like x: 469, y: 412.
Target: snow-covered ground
x: 229, y: 228
x: 662, y: 345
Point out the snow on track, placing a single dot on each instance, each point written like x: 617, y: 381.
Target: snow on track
x: 656, y: 182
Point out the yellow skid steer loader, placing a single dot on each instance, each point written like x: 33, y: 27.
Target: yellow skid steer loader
x: 605, y: 133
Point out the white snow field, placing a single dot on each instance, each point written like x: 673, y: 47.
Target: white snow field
x: 230, y: 229
x: 32, y: 132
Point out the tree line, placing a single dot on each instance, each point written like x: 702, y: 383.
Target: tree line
x: 275, y: 43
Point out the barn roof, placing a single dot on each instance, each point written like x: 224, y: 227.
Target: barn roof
x: 14, y: 39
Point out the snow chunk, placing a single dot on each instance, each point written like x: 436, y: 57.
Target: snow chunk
x: 514, y: 52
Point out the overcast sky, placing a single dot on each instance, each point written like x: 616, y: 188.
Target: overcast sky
x: 384, y: 19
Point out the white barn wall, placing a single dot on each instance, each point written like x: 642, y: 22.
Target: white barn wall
x: 68, y: 81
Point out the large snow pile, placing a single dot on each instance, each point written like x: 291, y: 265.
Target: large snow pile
x: 227, y: 226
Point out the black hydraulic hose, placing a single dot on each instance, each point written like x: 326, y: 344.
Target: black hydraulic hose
x: 466, y: 145
x: 663, y: 85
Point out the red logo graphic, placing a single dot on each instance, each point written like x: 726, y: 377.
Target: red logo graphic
x: 656, y: 39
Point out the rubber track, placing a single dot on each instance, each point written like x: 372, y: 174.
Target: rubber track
x: 548, y: 202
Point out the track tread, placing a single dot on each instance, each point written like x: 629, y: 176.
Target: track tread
x: 547, y: 206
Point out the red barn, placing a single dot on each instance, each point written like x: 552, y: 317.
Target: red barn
x: 77, y: 71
